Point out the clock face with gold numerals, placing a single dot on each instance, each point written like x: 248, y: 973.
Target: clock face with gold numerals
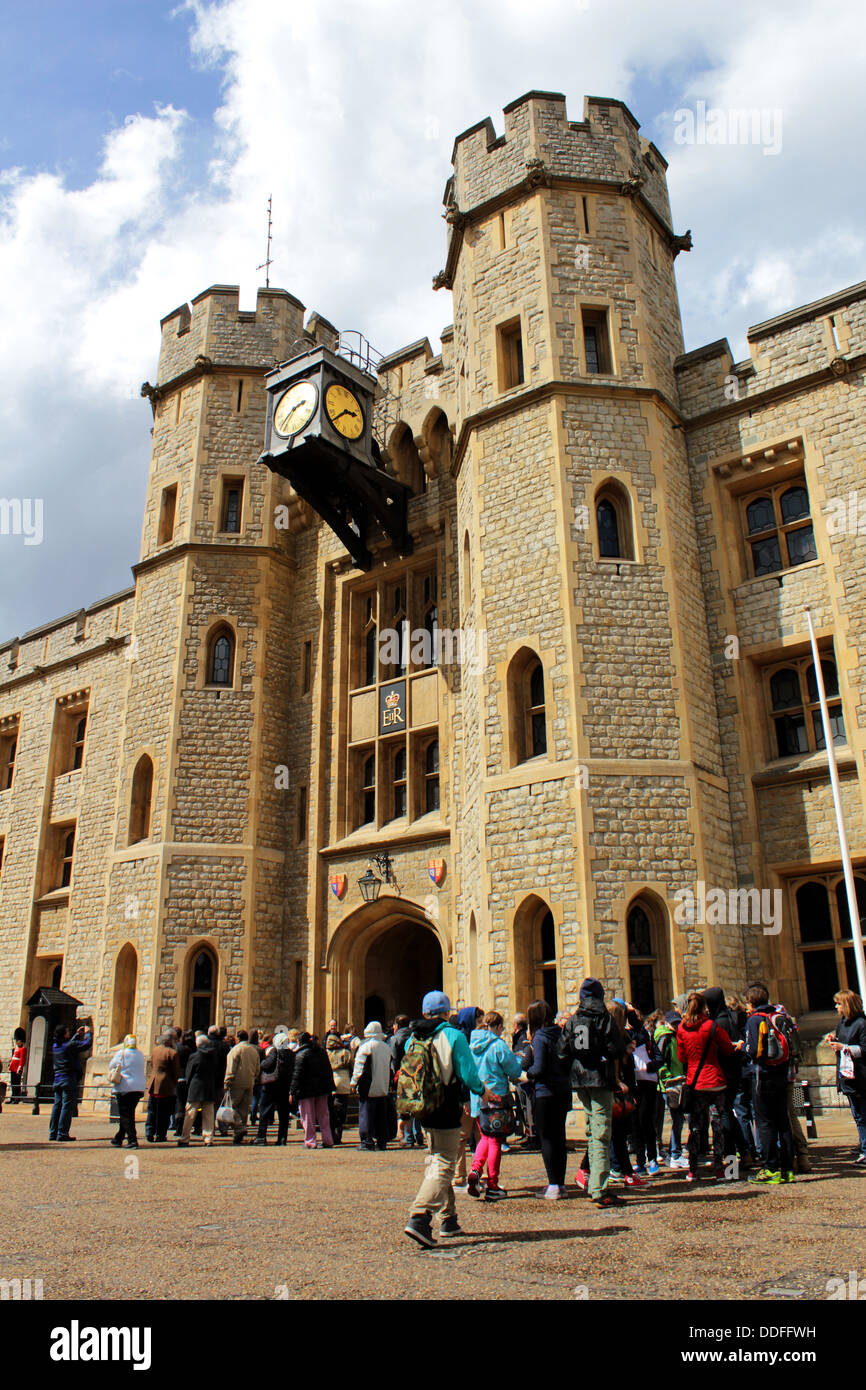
x: 343, y: 409
x: 295, y: 408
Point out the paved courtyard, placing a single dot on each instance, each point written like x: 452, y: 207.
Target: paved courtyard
x: 252, y: 1222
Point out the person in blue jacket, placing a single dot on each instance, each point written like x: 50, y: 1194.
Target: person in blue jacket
x: 66, y: 1056
x: 497, y: 1066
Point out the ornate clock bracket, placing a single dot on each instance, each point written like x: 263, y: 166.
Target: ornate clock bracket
x: 347, y: 495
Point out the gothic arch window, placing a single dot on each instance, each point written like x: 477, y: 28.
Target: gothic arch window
x: 438, y: 438
x: 825, y: 947
x: 202, y: 989
x: 527, y: 707
x: 221, y: 657
x: 649, y: 957
x: 406, y: 459
x: 142, y: 792
x: 613, y: 521
x: 467, y: 573
x: 535, y: 954
x: 123, y: 998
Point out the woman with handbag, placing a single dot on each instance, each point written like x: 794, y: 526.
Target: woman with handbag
x: 701, y: 1043
x: 126, y: 1074
x: 849, y: 1044
x: 497, y: 1066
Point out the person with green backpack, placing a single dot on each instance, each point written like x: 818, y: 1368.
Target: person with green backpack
x: 435, y: 1061
x: 672, y: 1078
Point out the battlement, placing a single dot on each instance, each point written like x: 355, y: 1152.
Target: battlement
x: 826, y: 336
x: 541, y: 142
x: 215, y: 327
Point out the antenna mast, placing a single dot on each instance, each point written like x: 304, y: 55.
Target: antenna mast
x: 267, y: 262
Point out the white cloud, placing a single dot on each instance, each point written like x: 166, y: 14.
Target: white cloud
x: 346, y: 113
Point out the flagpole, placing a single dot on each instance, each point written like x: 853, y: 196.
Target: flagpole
x: 853, y: 910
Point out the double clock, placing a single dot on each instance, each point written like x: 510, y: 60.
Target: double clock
x: 319, y: 437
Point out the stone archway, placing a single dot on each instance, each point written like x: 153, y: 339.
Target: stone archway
x: 382, y: 960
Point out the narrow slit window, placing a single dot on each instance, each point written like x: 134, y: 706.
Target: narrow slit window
x: 585, y: 215
x: 78, y: 742
x: 307, y: 668
x: 233, y: 494
x: 167, y: 511
x: 302, y: 815
x: 67, y: 851
x: 510, y: 355
x: 596, y: 342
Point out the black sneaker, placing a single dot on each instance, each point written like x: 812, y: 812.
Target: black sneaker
x: 609, y: 1199
x: 420, y: 1229
x: 472, y: 1183
x: 450, y: 1226
x: 239, y: 1138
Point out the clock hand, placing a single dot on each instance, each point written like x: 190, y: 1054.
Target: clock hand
x: 353, y: 413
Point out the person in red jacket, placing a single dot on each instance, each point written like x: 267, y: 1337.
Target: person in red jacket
x: 18, y: 1064
x: 700, y: 1044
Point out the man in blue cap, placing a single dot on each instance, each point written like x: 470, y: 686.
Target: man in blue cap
x: 591, y: 1043
x: 456, y: 1064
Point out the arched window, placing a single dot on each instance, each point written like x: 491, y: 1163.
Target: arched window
x: 796, y: 710
x: 613, y: 522
x: 430, y: 617
x: 371, y: 649
x: 201, y: 1005
x: 527, y: 708
x: 142, y: 791
x: 221, y: 658
x: 535, y: 956
x: 649, y: 960
x: 825, y: 946
x: 467, y: 573
x: 406, y: 460
x: 123, y: 999
x: 438, y: 438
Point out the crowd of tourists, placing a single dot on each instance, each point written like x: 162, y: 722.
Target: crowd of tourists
x: 458, y: 1085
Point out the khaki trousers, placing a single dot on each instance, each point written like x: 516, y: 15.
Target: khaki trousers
x: 598, y: 1105
x: 466, y: 1123
x: 242, y: 1099
x: 436, y: 1193
x: 206, y: 1109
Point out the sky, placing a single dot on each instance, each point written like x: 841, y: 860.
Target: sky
x: 139, y: 144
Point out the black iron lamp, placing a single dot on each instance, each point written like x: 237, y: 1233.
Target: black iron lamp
x: 370, y: 885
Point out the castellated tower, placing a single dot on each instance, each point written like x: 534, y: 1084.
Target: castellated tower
x: 209, y: 672
x: 561, y: 257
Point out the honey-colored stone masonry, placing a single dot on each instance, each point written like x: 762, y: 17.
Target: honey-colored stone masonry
x: 518, y: 860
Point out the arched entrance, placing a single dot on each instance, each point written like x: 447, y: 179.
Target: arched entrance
x: 382, y: 960
x: 401, y: 965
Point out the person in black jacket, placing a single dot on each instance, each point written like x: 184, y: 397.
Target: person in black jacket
x: 548, y: 1074
x: 185, y: 1049
x: 201, y: 1090
x: 278, y: 1066
x: 849, y: 1044
x: 591, y: 1043
x: 312, y: 1083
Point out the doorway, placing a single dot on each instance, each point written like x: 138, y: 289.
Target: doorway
x: 401, y: 965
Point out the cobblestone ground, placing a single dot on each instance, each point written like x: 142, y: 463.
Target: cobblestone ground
x: 240, y: 1222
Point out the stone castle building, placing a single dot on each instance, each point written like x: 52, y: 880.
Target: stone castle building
x: 196, y: 773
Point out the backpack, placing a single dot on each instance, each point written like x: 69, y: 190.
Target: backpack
x: 780, y: 1034
x: 420, y: 1085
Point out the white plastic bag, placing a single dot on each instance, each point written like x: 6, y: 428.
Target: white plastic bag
x: 846, y: 1064
x: 226, y: 1115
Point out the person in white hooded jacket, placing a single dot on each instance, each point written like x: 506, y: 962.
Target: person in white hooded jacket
x: 371, y: 1079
